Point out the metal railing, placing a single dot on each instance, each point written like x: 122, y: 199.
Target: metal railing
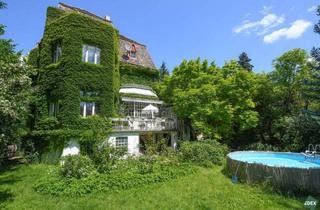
x: 143, y: 124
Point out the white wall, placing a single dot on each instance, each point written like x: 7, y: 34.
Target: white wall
x: 72, y: 148
x: 133, y: 141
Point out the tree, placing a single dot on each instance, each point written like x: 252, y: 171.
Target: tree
x: 163, y: 71
x: 244, y: 61
x: 15, y: 85
x: 291, y: 68
x: 217, y: 101
x: 2, y: 6
x: 312, y: 85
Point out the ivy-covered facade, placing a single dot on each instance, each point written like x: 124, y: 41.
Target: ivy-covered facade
x: 83, y: 64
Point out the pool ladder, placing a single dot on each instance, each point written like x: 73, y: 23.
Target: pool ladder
x: 312, y: 151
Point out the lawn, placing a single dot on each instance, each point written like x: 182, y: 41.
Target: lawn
x: 207, y: 189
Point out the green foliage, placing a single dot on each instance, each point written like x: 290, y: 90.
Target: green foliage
x: 67, y: 78
x: 106, y: 157
x: 33, y: 57
x: 125, y: 174
x: 218, y: 101
x: 134, y: 74
x: 279, y: 101
x: 76, y: 166
x: 312, y: 85
x: 14, y: 96
x: 163, y: 71
x: 295, y: 133
x: 244, y: 61
x: 62, y: 82
x: 206, y: 153
x: 15, y: 91
x: 261, y: 147
x: 156, y: 147
x: 291, y: 69
x: 208, y: 188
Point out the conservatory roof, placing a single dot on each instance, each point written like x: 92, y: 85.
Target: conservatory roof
x: 138, y: 91
x: 128, y: 99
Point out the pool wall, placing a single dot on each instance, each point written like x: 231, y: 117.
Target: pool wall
x: 284, y: 179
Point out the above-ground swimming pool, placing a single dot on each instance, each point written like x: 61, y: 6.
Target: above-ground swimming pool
x: 284, y: 170
x: 277, y: 159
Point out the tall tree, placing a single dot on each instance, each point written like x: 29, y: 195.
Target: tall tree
x: 312, y: 85
x: 14, y: 91
x: 291, y: 68
x: 163, y: 71
x: 244, y: 61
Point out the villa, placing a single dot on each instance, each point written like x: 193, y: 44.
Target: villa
x: 90, y: 71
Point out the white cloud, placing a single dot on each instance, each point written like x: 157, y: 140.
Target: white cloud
x: 261, y: 26
x: 296, y: 29
x: 313, y: 8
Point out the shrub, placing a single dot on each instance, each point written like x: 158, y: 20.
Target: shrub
x: 204, y: 153
x: 105, y: 158
x: 32, y: 157
x: 76, y: 166
x: 146, y: 164
x: 114, y: 181
x: 262, y: 147
x: 156, y: 147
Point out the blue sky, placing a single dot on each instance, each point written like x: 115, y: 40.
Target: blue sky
x: 175, y: 30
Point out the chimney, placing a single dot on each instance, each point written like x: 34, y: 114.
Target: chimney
x: 107, y: 18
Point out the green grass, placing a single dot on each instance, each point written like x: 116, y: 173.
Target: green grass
x: 207, y: 189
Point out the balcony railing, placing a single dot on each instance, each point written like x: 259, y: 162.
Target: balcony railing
x: 144, y: 124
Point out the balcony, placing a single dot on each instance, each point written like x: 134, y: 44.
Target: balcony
x: 144, y: 124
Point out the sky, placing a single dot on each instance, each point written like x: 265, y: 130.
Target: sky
x: 174, y: 30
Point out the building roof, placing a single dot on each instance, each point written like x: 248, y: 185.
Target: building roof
x: 130, y: 51
x: 135, y: 53
x: 69, y: 8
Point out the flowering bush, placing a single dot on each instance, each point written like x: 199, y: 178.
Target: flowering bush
x: 76, y: 166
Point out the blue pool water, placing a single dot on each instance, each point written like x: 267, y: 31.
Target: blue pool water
x: 278, y: 159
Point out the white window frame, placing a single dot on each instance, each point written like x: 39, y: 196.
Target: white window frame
x: 84, y: 114
x: 53, y: 109
x: 123, y: 142
x: 57, y: 53
x: 97, y: 51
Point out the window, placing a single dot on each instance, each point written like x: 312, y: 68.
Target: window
x: 91, y: 54
x: 88, y: 109
x: 122, y: 142
x: 88, y: 93
x: 53, y: 108
x: 57, y: 51
x: 133, y: 53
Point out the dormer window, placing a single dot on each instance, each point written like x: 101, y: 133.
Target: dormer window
x: 56, y: 54
x: 133, y: 51
x: 91, y: 54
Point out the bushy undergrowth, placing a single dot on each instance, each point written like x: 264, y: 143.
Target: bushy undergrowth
x: 262, y: 147
x: 106, y: 158
x: 125, y: 174
x: 111, y: 169
x: 204, y: 153
x: 76, y: 166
